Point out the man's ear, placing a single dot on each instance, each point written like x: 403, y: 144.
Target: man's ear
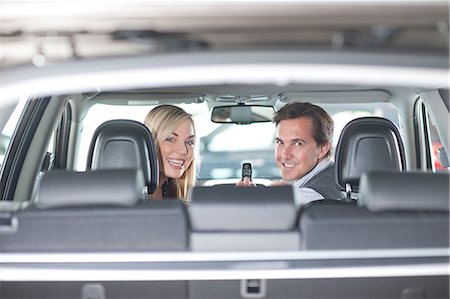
x: 324, y: 149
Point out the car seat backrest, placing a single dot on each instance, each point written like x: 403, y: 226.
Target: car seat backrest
x: 367, y: 144
x: 395, y: 210
x: 227, y: 218
x: 96, y: 211
x: 125, y: 144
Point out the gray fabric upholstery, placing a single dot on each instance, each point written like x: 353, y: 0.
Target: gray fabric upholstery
x: 391, y: 191
x: 245, y: 241
x: 147, y: 226
x: 387, y: 216
x: 59, y: 188
x: 229, y: 218
x: 125, y: 144
x: 231, y: 208
x: 334, y: 225
x: 367, y: 144
x: 96, y: 211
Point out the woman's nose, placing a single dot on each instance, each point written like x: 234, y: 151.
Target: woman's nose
x: 182, y: 148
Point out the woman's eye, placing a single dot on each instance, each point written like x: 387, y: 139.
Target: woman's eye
x: 170, y: 139
x: 190, y: 142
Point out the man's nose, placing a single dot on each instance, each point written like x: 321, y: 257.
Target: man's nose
x: 286, y: 152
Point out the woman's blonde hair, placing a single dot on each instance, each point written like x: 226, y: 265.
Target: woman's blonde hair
x: 162, y: 121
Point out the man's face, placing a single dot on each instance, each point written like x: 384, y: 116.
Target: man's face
x: 296, y: 151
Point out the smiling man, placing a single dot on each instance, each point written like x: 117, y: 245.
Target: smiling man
x: 304, y: 134
x: 303, y: 150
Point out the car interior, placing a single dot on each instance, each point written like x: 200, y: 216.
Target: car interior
x: 103, y: 209
x: 79, y: 166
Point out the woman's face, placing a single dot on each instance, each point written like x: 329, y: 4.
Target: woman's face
x: 177, y: 151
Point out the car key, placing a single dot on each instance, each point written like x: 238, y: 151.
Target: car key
x: 247, y: 170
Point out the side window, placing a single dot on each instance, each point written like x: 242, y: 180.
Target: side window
x: 439, y: 157
x: 49, y: 158
x: 9, y: 119
x: 56, y: 155
x: 344, y: 113
x: 430, y: 151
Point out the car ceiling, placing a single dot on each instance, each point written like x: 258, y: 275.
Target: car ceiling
x: 43, y: 31
x: 275, y: 95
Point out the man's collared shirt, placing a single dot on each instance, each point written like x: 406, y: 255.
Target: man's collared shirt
x: 304, y: 195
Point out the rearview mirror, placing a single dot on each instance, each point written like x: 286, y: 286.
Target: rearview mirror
x: 242, y: 114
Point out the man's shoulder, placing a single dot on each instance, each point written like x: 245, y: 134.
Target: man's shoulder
x: 324, y: 183
x: 325, y: 173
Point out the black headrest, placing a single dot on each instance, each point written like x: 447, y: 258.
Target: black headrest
x: 119, y: 187
x: 231, y: 208
x: 403, y: 191
x: 367, y: 144
x: 125, y: 144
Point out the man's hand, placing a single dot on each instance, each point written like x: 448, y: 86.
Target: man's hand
x: 246, y: 182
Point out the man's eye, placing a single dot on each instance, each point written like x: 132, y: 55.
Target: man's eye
x: 298, y: 144
x: 279, y: 142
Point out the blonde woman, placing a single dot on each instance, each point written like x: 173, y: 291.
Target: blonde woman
x: 174, y: 134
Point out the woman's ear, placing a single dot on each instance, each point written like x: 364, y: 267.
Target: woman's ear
x: 324, y: 149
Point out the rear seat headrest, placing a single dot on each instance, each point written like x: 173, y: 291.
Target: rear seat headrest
x: 367, y: 144
x: 231, y: 208
x: 405, y: 191
x: 119, y: 187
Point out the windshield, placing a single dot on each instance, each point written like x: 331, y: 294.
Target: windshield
x: 223, y: 148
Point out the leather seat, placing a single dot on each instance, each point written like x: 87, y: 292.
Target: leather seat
x: 367, y: 144
x: 396, y: 210
x: 125, y: 144
x: 229, y: 218
x: 96, y: 211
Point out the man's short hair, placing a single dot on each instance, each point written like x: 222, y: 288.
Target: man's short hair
x: 322, y: 123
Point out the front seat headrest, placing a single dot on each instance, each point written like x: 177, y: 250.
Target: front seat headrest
x: 367, y: 144
x: 125, y: 144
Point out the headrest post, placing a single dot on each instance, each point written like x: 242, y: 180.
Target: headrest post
x: 348, y: 190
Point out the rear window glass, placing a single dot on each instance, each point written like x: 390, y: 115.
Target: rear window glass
x: 223, y: 148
